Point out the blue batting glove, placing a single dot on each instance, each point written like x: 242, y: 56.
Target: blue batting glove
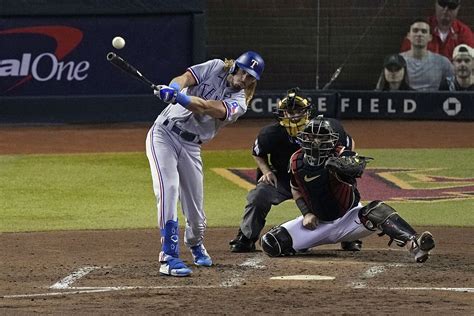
x: 175, y: 86
x: 167, y: 94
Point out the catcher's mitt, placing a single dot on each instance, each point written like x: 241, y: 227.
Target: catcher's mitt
x: 348, y: 166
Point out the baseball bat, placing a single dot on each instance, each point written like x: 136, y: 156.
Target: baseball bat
x: 123, y: 65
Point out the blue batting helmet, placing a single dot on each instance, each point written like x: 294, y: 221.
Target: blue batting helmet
x: 252, y: 63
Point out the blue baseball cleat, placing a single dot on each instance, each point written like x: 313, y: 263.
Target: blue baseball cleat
x: 174, y: 267
x: 201, y: 257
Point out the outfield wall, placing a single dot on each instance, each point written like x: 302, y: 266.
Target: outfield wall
x: 338, y: 104
x: 53, y: 67
x: 59, y: 48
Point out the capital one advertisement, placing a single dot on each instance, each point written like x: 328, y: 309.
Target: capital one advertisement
x: 67, y: 56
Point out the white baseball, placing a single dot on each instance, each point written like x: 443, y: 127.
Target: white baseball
x: 118, y: 42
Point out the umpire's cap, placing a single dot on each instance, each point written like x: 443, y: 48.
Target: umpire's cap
x: 252, y: 63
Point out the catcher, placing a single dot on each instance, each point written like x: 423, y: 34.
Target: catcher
x: 324, y: 186
x: 272, y: 150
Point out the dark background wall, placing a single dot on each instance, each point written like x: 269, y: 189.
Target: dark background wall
x: 356, y: 34
x: 285, y: 33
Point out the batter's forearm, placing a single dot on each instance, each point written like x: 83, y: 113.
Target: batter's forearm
x: 183, y: 81
x: 212, y: 108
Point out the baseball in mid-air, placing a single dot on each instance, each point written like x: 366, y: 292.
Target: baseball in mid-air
x: 118, y: 42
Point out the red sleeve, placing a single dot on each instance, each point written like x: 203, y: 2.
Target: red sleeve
x: 296, y: 181
x: 406, y: 45
x: 294, y: 169
x: 467, y: 37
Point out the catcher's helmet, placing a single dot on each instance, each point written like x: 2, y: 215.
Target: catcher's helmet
x: 318, y: 140
x: 251, y: 62
x: 293, y: 111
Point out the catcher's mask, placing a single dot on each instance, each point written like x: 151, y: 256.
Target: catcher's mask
x: 293, y: 111
x: 318, y: 140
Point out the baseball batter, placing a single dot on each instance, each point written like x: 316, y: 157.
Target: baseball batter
x: 324, y: 187
x: 202, y: 100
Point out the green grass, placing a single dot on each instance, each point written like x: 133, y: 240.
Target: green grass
x: 113, y: 190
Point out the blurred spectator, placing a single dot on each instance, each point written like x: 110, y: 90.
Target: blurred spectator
x: 462, y: 61
x: 425, y: 69
x: 472, y: 65
x: 448, y: 32
x: 394, y: 74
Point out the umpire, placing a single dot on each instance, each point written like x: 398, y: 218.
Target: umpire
x: 272, y: 151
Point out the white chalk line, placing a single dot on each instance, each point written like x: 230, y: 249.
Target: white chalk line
x: 254, y: 263
x: 237, y: 279
x: 122, y: 288
x: 73, y: 277
x: 91, y: 289
x: 452, y: 289
x: 371, y: 272
x: 65, y: 284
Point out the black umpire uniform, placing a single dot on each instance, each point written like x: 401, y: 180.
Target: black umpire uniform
x: 276, y: 146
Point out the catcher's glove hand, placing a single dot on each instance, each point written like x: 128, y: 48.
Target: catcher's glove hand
x: 347, y: 166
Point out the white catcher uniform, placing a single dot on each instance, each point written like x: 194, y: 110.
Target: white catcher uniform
x: 173, y: 148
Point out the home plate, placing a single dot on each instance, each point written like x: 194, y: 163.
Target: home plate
x: 303, y: 277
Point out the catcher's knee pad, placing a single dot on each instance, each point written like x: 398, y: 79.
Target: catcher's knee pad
x: 374, y: 214
x: 378, y: 215
x: 277, y: 242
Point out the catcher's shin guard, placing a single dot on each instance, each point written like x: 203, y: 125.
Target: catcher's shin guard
x: 378, y: 215
x: 277, y: 242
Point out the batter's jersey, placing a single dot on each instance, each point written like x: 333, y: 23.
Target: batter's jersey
x: 326, y: 196
x: 211, y: 79
x: 273, y: 142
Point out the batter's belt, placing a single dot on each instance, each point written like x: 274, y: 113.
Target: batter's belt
x: 187, y: 136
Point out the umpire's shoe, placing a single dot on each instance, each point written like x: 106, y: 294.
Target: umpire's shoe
x: 174, y: 267
x: 242, y: 244
x: 355, y: 245
x: 201, y: 257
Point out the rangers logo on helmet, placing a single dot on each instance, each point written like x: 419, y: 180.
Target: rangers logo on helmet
x: 252, y: 63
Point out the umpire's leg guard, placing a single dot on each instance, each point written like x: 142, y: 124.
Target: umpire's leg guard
x: 277, y: 242
x: 378, y: 215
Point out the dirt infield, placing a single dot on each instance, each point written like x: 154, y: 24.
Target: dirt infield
x: 124, y: 266
x: 116, y: 272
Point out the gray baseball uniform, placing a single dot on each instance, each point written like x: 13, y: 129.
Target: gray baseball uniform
x: 174, y: 151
